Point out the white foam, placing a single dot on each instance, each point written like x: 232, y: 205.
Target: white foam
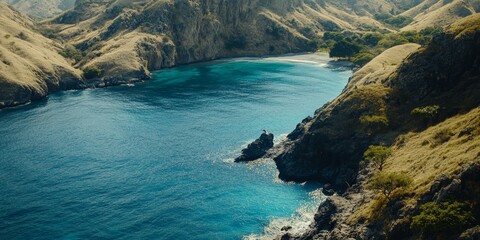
x: 281, y: 138
x: 299, y: 222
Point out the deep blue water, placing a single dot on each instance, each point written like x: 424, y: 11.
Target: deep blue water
x: 150, y: 161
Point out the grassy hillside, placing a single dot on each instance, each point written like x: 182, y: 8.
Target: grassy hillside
x: 176, y: 32
x: 439, y: 13
x: 41, y: 8
x: 30, y: 65
x: 423, y: 107
x: 119, y: 41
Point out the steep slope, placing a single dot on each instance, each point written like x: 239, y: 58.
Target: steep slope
x: 443, y: 171
x: 157, y: 34
x: 318, y: 147
x: 30, y: 65
x: 120, y: 41
x: 41, y: 8
x: 440, y: 153
x: 378, y: 100
x: 150, y: 35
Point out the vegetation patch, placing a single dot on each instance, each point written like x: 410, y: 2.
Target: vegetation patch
x: 361, y: 47
x: 442, y: 219
x: 71, y: 52
x: 426, y: 115
x: 377, y: 155
x: 92, y: 72
x: 374, y: 123
x: 395, y: 21
x: 387, y: 183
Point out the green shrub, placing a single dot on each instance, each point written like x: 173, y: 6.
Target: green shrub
x: 426, y: 114
x: 386, y: 183
x: 399, y: 21
x: 355, y: 46
x: 442, y: 219
x: 396, y: 21
x: 382, y: 16
x: 372, y: 39
x: 71, y: 52
x: 377, y: 155
x: 91, y: 72
x: 427, y: 111
x: 344, y: 49
x: 374, y: 123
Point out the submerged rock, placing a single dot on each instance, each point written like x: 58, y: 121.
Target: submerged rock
x: 257, y: 149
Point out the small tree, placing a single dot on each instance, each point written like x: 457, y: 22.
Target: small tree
x: 377, y: 155
x: 386, y: 183
x: 442, y: 219
x: 426, y: 114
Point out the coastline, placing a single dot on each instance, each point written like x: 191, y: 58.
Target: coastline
x: 319, y: 58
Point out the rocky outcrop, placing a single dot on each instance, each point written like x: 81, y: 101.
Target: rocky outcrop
x: 333, y: 219
x: 257, y: 149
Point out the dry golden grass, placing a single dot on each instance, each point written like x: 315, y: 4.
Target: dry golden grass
x: 383, y: 65
x: 466, y: 26
x: 27, y: 59
x: 441, y: 149
x: 439, y: 13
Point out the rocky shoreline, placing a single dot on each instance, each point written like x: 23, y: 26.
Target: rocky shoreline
x: 329, y: 147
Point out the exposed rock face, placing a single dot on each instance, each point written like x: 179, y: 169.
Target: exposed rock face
x: 152, y: 35
x: 257, y: 149
x: 176, y: 32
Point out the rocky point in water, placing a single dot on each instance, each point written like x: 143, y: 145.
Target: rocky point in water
x: 257, y: 148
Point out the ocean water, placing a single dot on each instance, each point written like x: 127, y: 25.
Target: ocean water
x: 153, y: 160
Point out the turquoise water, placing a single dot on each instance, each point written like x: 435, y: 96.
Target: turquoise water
x: 151, y: 161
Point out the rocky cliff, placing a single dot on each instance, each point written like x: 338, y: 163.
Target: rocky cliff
x: 377, y: 102
x: 130, y: 38
x: 376, y: 108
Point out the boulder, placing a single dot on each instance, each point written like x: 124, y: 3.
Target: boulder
x: 257, y: 148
